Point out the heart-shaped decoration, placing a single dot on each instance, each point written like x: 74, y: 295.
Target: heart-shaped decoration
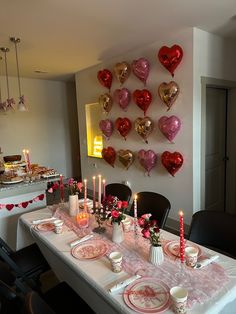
x: 147, y: 159
x: 105, y: 100
x: 122, y: 97
x: 169, y: 126
x: 143, y: 99
x: 172, y: 161
x: 144, y: 127
x: 24, y: 204
x: 170, y: 58
x: 122, y: 71
x: 126, y: 157
x: 41, y: 197
x: 106, y: 126
x: 105, y: 78
x: 9, y: 206
x: 109, y: 155
x: 141, y: 68
x: 168, y: 93
x: 123, y: 126
x: 50, y: 190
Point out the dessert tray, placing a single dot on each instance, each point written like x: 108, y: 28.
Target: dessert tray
x: 171, y: 248
x: 12, y: 181
x: 90, y: 250
x: 147, y: 295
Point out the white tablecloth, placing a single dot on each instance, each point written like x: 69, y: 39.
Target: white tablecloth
x: 92, y: 279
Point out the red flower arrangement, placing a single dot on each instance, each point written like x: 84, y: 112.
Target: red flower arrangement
x: 150, y: 229
x: 115, y: 208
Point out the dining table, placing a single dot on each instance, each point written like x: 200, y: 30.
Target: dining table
x: 211, y: 289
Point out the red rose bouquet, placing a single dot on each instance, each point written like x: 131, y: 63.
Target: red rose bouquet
x: 150, y: 229
x: 115, y: 208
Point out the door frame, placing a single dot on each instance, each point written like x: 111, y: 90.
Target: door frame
x: 216, y: 83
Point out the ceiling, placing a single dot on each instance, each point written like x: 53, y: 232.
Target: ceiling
x: 61, y: 37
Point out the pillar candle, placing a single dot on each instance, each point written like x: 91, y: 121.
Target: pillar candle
x: 104, y: 188
x: 135, y: 206
x: 94, y: 192
x: 181, y: 231
x: 25, y: 159
x: 85, y: 194
x: 28, y: 160
x: 61, y: 188
x: 99, y: 190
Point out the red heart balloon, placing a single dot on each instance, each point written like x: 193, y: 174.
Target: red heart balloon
x: 123, y: 125
x: 9, y: 206
x: 109, y: 155
x: 142, y: 98
x: 170, y: 58
x: 105, y: 78
x: 25, y: 204
x: 172, y: 161
x: 41, y: 197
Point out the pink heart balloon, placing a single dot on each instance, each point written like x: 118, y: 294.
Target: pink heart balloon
x: 122, y: 97
x: 106, y: 126
x: 169, y: 126
x: 141, y: 68
x: 147, y: 159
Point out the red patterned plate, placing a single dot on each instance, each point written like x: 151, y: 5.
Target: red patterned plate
x: 45, y: 226
x: 171, y: 248
x: 147, y: 295
x: 90, y: 250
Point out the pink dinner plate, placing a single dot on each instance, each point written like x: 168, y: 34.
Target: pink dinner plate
x: 147, y: 295
x: 90, y: 250
x: 171, y: 248
x: 45, y: 226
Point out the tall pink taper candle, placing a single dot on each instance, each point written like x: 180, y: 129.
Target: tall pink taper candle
x: 25, y: 159
x: 99, y: 190
x: 94, y: 192
x: 181, y: 231
x: 135, y: 206
x: 104, y: 188
x: 85, y: 194
x: 28, y: 160
x: 61, y: 188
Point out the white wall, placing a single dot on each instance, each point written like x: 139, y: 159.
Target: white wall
x: 46, y: 128
x: 178, y: 190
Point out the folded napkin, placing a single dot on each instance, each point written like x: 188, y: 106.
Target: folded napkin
x: 87, y: 237
x: 124, y: 283
x: 35, y: 222
x: 206, y: 262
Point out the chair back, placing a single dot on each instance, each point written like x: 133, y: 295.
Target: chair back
x: 214, y: 229
x: 156, y: 204
x: 122, y: 191
x: 34, y: 304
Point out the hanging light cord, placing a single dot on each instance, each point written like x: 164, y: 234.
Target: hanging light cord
x: 8, y: 92
x: 18, y: 71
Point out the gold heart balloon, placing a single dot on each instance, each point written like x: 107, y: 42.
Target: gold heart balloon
x: 144, y: 127
x: 168, y: 93
x: 126, y: 157
x: 106, y: 101
x: 122, y: 71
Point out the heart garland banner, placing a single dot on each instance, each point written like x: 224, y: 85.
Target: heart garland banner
x: 25, y: 204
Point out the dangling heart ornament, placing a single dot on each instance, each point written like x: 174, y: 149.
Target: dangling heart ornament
x: 170, y: 58
x: 141, y: 68
x: 172, y: 161
x: 105, y: 78
x: 109, y: 155
x: 122, y: 71
x: 168, y: 93
x: 106, y: 126
x: 169, y: 126
x: 122, y: 97
x: 123, y: 125
x: 143, y: 99
x: 105, y: 100
x: 147, y: 159
x: 126, y: 157
x: 144, y: 127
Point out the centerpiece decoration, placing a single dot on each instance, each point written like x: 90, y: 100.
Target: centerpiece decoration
x: 151, y: 231
x: 75, y: 189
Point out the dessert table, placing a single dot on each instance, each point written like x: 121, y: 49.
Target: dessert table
x: 92, y: 278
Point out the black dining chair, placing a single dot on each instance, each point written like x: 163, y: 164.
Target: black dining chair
x: 156, y: 204
x: 215, y: 230
x: 27, y: 263
x: 122, y: 191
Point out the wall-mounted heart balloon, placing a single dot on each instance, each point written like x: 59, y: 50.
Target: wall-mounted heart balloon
x: 106, y: 101
x: 123, y: 126
x: 168, y: 93
x: 144, y: 127
x: 109, y: 155
x: 172, y: 161
x: 106, y: 126
x: 169, y: 126
x: 141, y: 68
x: 143, y: 99
x: 170, y: 58
x: 126, y: 157
x: 122, y: 71
x: 122, y: 97
x: 105, y: 78
x: 147, y: 159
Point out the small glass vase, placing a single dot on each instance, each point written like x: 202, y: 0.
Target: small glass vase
x: 117, y: 232
x: 73, y: 205
x: 156, y: 255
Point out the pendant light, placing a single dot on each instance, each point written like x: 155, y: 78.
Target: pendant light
x: 21, y: 103
x: 10, y: 101
x: 2, y: 104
